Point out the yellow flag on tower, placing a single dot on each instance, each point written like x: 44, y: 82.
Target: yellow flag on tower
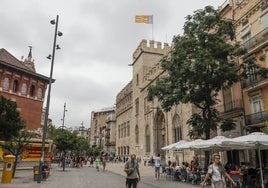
x: 147, y: 19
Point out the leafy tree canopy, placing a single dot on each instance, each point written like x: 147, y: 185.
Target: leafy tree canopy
x: 202, y: 62
x: 10, y: 120
x: 65, y: 140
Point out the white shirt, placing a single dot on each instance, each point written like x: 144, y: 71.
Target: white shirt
x: 216, y: 174
x: 157, y: 161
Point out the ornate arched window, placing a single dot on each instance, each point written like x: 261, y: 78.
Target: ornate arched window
x: 127, y: 150
x: 177, y: 130
x: 39, y: 93
x: 15, y: 86
x: 119, y: 132
x: 122, y: 131
x: 137, y: 134
x: 147, y: 139
x: 125, y: 129
x: 6, y: 84
x: 128, y: 129
x: 24, y: 89
x: 32, y: 90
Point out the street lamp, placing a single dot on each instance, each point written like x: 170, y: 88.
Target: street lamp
x: 63, y: 117
x: 42, y: 159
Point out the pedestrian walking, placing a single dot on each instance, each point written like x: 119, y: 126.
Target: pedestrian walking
x: 97, y: 163
x: 133, y: 173
x: 218, y: 173
x: 103, y: 163
x: 91, y: 161
x: 157, y: 165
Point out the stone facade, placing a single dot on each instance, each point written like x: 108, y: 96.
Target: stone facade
x: 124, y: 107
x: 143, y: 127
x: 19, y: 82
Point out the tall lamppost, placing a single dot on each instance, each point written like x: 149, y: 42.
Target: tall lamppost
x: 63, y: 117
x: 82, y: 129
x: 42, y: 159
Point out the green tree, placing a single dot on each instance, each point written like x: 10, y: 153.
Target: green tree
x: 94, y: 151
x: 200, y: 64
x: 52, y: 132
x: 10, y: 120
x: 81, y: 147
x: 16, y: 144
x: 65, y: 141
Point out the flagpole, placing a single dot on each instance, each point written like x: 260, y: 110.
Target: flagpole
x: 152, y: 17
x: 152, y: 31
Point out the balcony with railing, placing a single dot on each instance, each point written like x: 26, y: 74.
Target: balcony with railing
x: 256, y: 119
x: 254, y: 80
x: 257, y: 39
x: 107, y: 135
x: 110, y: 143
x: 230, y: 107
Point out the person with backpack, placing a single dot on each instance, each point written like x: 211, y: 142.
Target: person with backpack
x: 217, y: 173
x: 133, y: 173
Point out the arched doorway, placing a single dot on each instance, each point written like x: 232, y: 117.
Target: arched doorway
x: 159, y: 132
x: 147, y: 139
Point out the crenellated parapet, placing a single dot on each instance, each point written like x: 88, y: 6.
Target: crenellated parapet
x: 152, y: 47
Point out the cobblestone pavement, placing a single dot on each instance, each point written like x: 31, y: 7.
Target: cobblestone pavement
x: 113, y: 177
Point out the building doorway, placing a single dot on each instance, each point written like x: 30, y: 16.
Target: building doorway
x: 160, y: 133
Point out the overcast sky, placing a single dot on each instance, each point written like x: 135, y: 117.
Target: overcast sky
x: 99, y: 38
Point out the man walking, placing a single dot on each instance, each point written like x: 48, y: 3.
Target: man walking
x: 133, y: 173
x: 157, y: 164
x: 218, y: 173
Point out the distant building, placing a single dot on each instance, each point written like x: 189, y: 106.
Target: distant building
x: 98, y: 126
x: 110, y: 134
x: 20, y: 82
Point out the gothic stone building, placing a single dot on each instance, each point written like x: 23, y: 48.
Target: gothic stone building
x: 143, y: 127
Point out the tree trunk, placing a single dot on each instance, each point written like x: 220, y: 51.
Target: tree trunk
x: 15, y: 165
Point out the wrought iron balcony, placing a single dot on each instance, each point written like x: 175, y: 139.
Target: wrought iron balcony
x: 232, y: 106
x: 107, y: 136
x: 112, y: 143
x: 256, y: 118
x: 254, y: 80
x: 259, y: 38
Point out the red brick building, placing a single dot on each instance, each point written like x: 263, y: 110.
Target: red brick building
x: 20, y: 83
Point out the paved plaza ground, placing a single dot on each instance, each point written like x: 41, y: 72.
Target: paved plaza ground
x: 113, y: 177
